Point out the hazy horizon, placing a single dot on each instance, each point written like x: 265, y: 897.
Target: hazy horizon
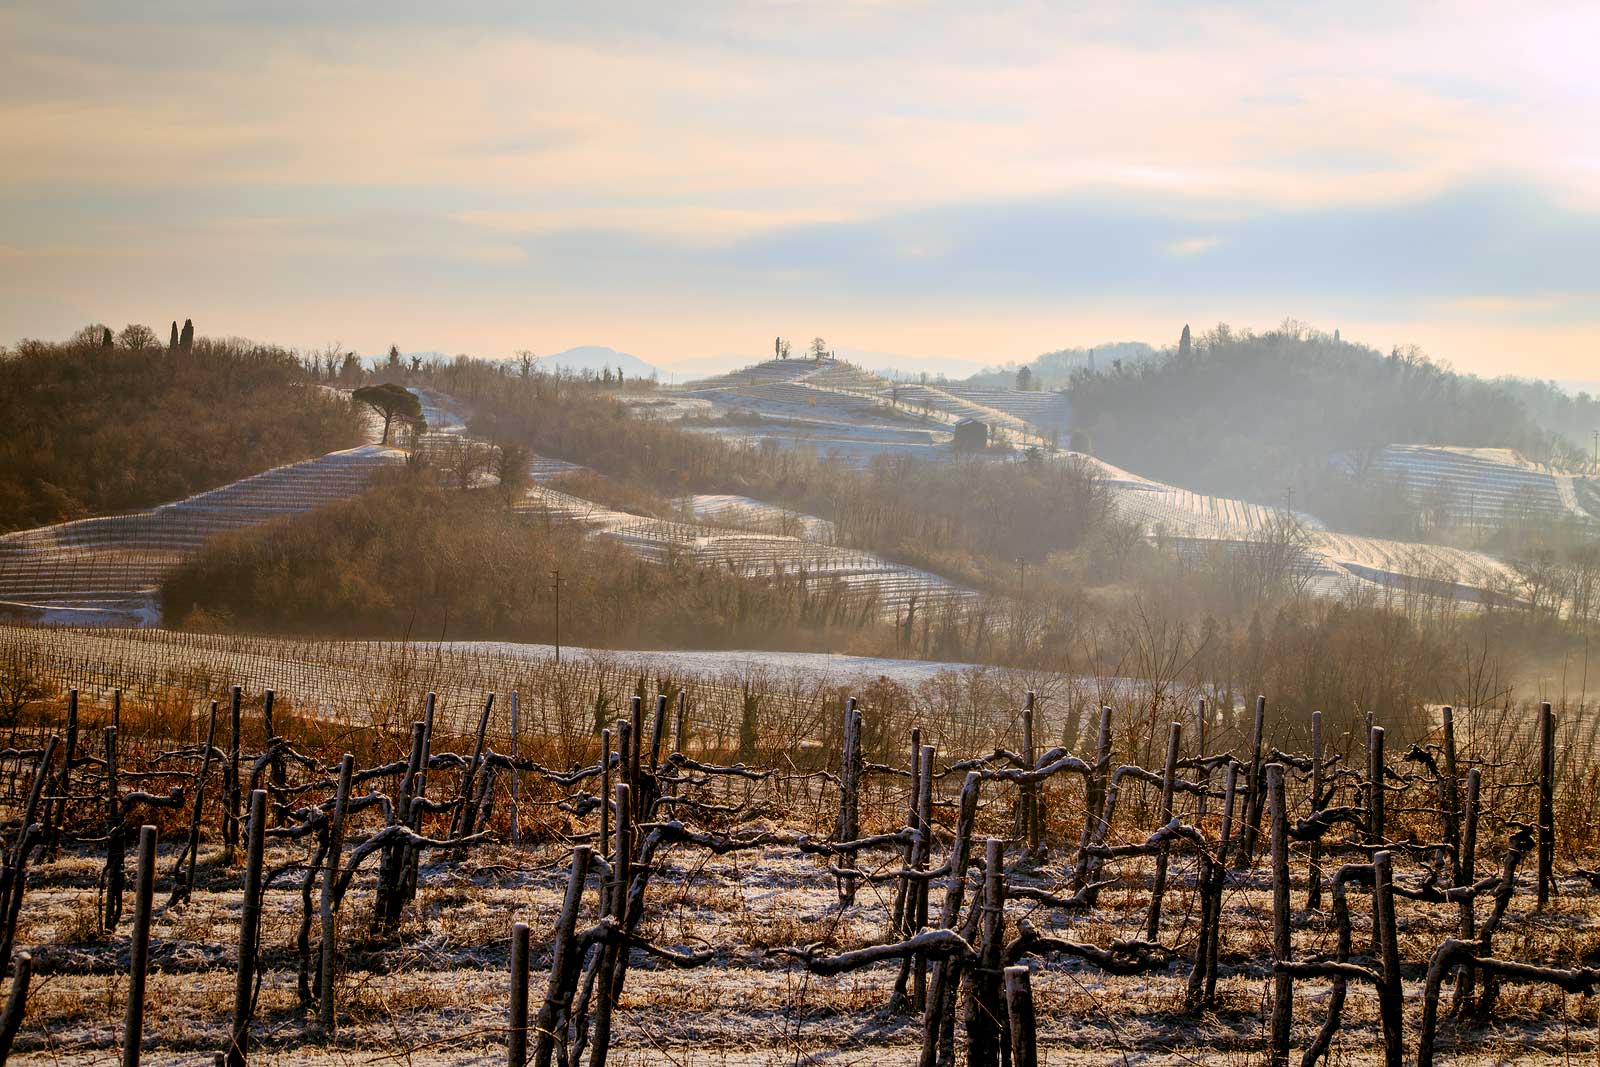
x: 685, y: 183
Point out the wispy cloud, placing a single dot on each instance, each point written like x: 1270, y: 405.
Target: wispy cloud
x: 1425, y: 168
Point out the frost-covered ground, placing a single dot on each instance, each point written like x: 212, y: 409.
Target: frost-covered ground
x: 437, y: 995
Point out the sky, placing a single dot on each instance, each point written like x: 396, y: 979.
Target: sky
x: 940, y: 182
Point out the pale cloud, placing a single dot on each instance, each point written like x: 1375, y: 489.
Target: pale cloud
x: 1191, y: 246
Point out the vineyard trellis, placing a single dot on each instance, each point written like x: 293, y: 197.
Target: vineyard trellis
x: 989, y: 857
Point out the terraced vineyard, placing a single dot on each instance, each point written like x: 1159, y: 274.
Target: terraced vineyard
x: 893, y: 588
x: 1482, y: 486
x: 108, y: 567
x: 1328, y: 559
x: 838, y: 409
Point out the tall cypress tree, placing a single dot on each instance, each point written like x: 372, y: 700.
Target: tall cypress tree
x: 105, y: 338
x: 186, y: 339
x: 172, y: 344
x: 1183, y: 342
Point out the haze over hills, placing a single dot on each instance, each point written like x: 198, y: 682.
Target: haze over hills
x: 598, y: 358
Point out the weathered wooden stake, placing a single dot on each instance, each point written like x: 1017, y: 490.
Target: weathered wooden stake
x: 116, y: 844
x: 985, y: 1008
x: 1253, y: 800
x: 326, y: 1014
x: 565, y: 959
x: 1094, y: 797
x: 249, y: 929
x: 1169, y: 775
x: 1469, y: 873
x: 1020, y: 1018
x: 517, y: 1016
x: 1547, y: 795
x: 139, y: 948
x: 1282, y: 948
x: 1390, y: 1005
x: 516, y: 775
x: 1314, y: 870
x: 1375, y: 787
x: 230, y: 778
x: 942, y: 983
x: 605, y: 789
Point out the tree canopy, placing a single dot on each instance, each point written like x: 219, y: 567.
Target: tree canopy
x: 391, y: 401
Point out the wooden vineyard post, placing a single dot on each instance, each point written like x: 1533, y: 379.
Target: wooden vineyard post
x: 1030, y: 798
x: 139, y: 948
x: 391, y: 870
x: 605, y: 788
x: 1204, y: 798
x: 986, y: 1006
x: 849, y: 825
x: 413, y: 856
x: 1547, y: 794
x: 279, y: 775
x: 517, y: 1016
x: 249, y: 929
x: 1224, y: 840
x: 680, y: 733
x: 516, y: 775
x: 16, y: 1004
x: 658, y: 728
x: 635, y: 762
x: 614, y: 947
x: 905, y: 894
x: 565, y: 958
x: 1282, y: 947
x: 1250, y: 831
x: 326, y: 1015
x: 1314, y: 868
x: 1375, y: 790
x: 942, y: 983
x: 1467, y: 931
x: 1169, y: 774
x: 183, y: 877
x: 1390, y: 1005
x: 1450, y: 799
x: 1020, y: 1018
x: 1094, y: 797
x: 56, y: 810
x: 230, y: 778
x: 461, y: 819
x: 115, y: 846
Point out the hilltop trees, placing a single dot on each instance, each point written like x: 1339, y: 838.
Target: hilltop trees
x: 186, y: 338
x: 819, y: 348
x: 390, y: 401
x: 91, y: 435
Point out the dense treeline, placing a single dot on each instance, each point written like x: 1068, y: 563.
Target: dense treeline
x: 1257, y: 415
x: 413, y: 558
x: 94, y: 429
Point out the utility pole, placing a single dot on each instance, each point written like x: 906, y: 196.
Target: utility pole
x: 555, y: 583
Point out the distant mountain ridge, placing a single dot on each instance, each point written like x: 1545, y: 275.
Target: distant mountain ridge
x: 598, y: 358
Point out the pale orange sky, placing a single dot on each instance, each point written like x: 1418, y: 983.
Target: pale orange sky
x: 685, y: 181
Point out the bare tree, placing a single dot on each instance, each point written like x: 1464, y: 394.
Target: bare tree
x: 136, y: 336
